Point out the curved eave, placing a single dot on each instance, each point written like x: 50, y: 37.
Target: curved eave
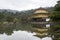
x: 41, y: 13
x: 39, y: 17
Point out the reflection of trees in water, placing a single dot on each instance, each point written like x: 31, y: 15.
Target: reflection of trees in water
x: 4, y: 29
x: 55, y: 16
x: 55, y: 31
x: 8, y: 29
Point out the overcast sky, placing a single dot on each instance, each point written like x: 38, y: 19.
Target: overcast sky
x: 26, y: 4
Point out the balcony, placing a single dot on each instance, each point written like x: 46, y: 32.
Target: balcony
x: 39, y: 22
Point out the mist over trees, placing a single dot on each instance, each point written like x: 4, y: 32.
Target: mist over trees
x: 14, y: 16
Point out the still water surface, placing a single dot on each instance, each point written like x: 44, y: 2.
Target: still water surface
x: 18, y: 33
x: 21, y: 35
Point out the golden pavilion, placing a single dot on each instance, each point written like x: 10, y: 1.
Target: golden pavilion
x: 40, y: 17
x: 40, y: 22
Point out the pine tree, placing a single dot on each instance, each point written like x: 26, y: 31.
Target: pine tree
x: 57, y: 6
x: 55, y: 16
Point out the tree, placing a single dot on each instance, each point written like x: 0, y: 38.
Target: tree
x: 57, y: 6
x: 55, y: 16
x: 9, y: 18
x: 1, y: 17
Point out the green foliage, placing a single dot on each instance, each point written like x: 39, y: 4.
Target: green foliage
x: 15, y: 16
x: 57, y: 6
x: 15, y: 20
x: 9, y: 18
x: 56, y: 27
x: 55, y: 15
x: 1, y: 17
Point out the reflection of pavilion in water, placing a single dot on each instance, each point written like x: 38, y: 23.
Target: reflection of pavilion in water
x: 40, y: 22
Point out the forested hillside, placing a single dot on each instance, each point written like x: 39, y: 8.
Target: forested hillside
x: 14, y: 16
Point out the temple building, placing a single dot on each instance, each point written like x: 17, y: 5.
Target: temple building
x: 40, y: 21
x: 40, y: 17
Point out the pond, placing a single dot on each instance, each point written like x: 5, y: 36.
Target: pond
x: 19, y: 33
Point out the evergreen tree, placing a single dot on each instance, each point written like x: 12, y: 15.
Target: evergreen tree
x: 55, y: 16
x: 56, y: 12
x: 57, y: 6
